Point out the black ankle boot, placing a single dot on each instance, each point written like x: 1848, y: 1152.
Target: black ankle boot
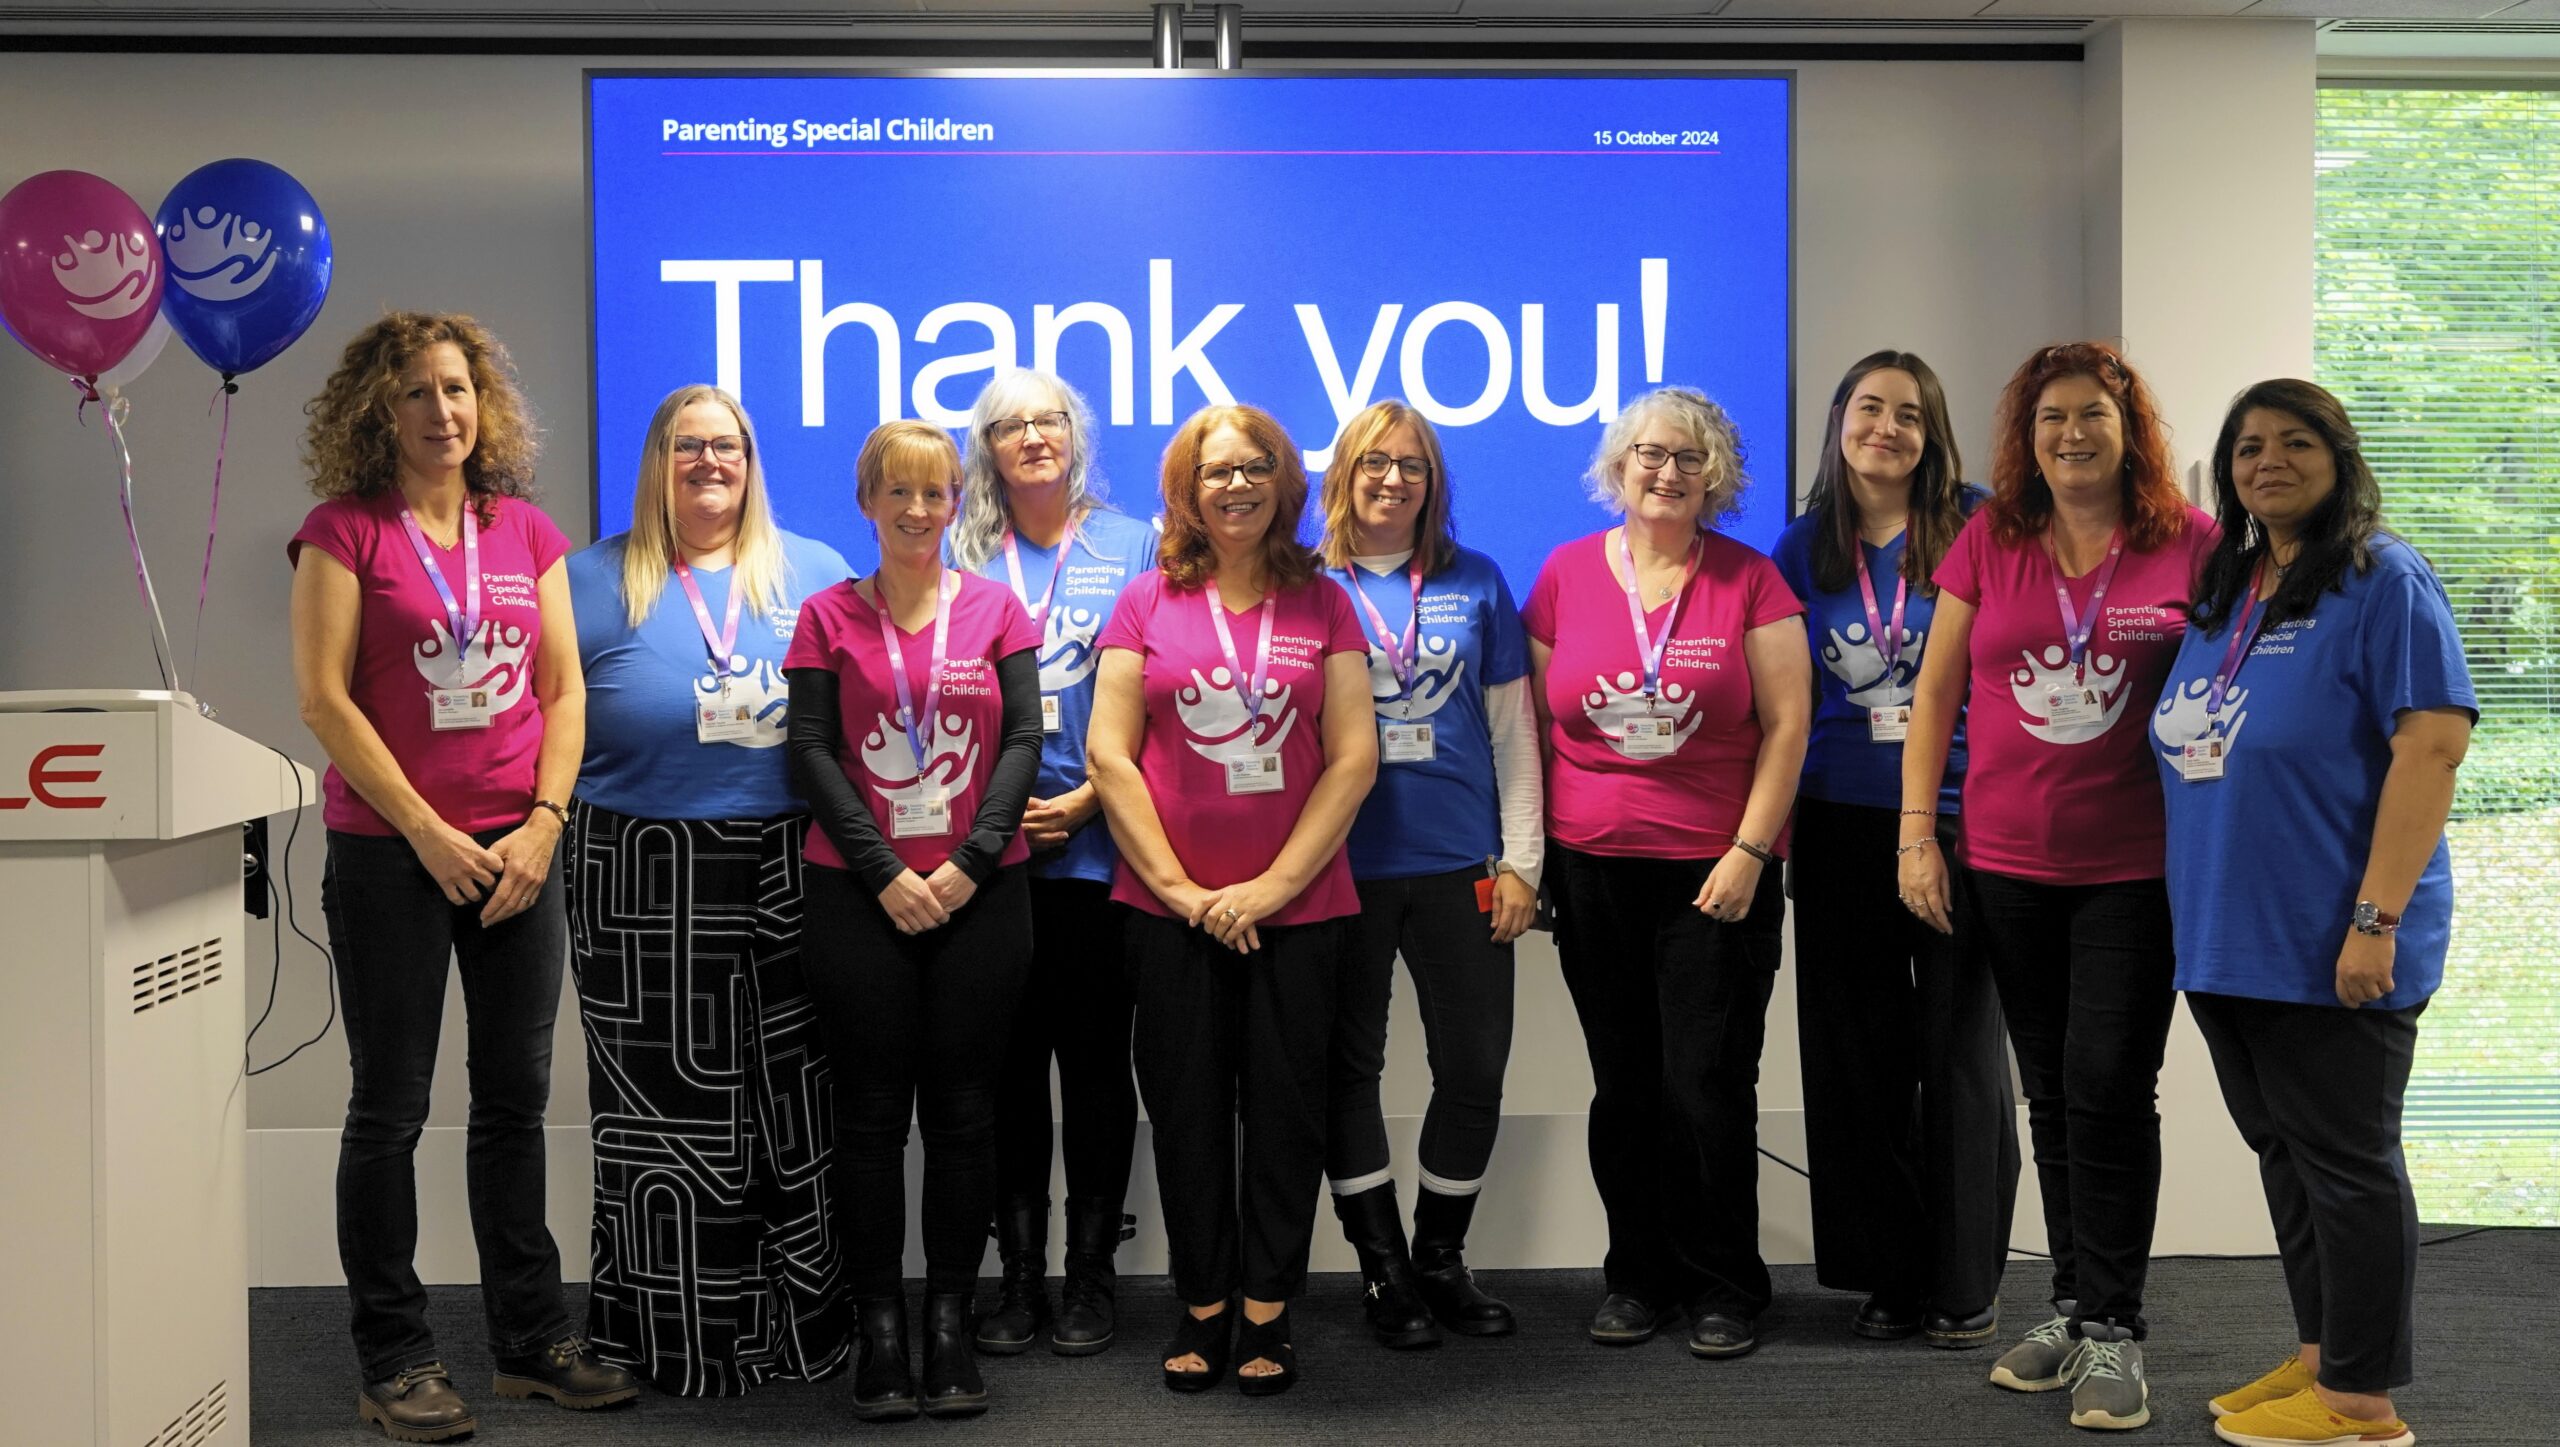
x: 882, y: 1389
x: 1440, y: 1268
x: 1022, y: 1308
x: 1085, y: 1303
x: 952, y: 1386
x: 1375, y: 1229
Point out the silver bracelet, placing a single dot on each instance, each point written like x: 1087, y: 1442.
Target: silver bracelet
x: 1914, y: 844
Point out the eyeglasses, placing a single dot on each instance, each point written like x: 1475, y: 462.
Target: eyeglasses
x: 1374, y: 465
x: 1219, y: 476
x: 724, y: 449
x: 1690, y: 463
x: 1004, y: 430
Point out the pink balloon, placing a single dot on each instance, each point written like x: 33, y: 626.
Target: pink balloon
x: 80, y: 270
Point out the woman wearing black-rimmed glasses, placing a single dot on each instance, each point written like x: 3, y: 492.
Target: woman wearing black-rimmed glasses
x: 1032, y: 518
x: 1446, y: 851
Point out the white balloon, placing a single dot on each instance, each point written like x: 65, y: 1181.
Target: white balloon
x: 139, y: 360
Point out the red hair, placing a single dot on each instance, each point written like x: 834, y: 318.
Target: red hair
x: 2155, y: 507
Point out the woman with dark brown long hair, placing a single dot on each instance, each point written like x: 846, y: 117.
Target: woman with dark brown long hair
x: 1909, y: 1131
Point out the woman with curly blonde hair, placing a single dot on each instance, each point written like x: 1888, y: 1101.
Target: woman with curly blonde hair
x: 436, y: 662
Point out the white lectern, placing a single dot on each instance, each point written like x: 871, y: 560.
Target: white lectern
x: 124, y: 1245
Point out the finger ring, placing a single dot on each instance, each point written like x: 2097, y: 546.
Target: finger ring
x: 1229, y: 914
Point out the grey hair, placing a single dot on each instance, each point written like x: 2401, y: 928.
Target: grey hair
x: 983, y: 513
x: 1707, y: 424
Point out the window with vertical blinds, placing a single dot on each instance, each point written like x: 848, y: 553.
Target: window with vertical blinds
x: 2438, y: 324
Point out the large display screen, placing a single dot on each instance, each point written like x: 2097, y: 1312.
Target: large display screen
x: 1516, y: 257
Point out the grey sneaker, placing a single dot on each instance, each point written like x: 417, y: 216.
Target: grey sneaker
x: 2107, y: 1389
x: 2035, y: 1364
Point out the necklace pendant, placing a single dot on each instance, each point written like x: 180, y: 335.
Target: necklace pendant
x: 1662, y: 593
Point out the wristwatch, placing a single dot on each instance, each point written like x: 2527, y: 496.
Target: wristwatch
x: 2372, y: 919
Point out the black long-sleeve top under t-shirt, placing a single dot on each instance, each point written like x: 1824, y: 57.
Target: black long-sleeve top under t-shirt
x: 816, y: 742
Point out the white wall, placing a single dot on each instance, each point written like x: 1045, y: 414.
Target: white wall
x: 1940, y: 209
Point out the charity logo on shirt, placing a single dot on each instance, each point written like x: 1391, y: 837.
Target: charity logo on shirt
x: 1618, y: 708
x: 759, y: 694
x: 1437, y: 665
x: 1212, y: 710
x: 1067, y: 654
x: 1851, y: 656
x: 951, y: 744
x: 495, y: 663
x: 2046, y: 675
x: 2181, y: 719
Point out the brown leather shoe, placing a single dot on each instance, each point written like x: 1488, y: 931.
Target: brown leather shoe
x: 567, y: 1372
x: 416, y: 1405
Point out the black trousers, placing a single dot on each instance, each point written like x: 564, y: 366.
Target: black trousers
x: 915, y: 1026
x: 1674, y: 1008
x: 1462, y: 981
x: 396, y: 939
x: 1075, y: 1007
x: 711, y: 1110
x: 2316, y: 1091
x: 2086, y: 976
x: 1226, y: 1042
x: 1911, y: 1130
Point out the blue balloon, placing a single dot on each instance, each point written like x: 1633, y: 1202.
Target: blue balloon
x: 248, y: 255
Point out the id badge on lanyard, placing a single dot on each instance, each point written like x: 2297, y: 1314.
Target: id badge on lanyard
x: 457, y: 705
x: 1405, y: 743
x: 1399, y: 741
x: 1652, y: 735
x: 2073, y: 701
x: 1050, y: 720
x: 928, y: 816
x: 723, y: 718
x: 2200, y: 760
x: 1886, y: 723
x: 1249, y: 770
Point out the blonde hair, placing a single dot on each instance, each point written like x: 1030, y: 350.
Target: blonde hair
x: 905, y: 450
x: 758, y: 567
x: 1435, y: 536
x: 1707, y: 425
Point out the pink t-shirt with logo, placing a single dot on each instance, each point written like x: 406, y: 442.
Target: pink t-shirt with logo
x: 1607, y: 794
x: 840, y: 631
x: 1196, y: 717
x: 2071, y: 803
x: 475, y: 779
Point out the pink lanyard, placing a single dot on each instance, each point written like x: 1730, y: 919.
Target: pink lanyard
x: 462, y: 620
x: 1261, y: 654
x: 920, y: 727
x: 723, y: 644
x: 2075, y: 629
x: 2244, y: 631
x: 1888, y: 643
x: 1013, y: 566
x: 1649, y: 648
x: 1400, y: 651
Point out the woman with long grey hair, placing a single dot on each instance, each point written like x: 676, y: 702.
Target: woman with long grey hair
x: 1031, y: 517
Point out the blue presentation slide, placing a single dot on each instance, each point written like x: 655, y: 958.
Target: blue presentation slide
x: 1516, y: 257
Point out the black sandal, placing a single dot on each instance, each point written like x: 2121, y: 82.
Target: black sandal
x: 1208, y: 1338
x: 1267, y: 1341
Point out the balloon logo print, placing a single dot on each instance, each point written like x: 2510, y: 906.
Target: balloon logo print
x: 108, y: 276
x: 216, y: 256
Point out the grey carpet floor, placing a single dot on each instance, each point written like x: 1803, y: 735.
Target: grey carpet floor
x: 2488, y: 1318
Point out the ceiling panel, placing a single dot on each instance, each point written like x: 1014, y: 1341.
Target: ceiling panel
x: 1852, y: 10
x: 2104, y: 9
x: 2377, y: 9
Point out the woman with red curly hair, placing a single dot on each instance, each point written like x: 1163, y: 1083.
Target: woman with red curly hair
x: 2060, y: 609
x: 436, y: 662
x: 1232, y: 743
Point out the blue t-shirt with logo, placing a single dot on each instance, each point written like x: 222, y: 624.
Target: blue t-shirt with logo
x: 643, y: 756
x: 1109, y: 549
x: 1843, y: 763
x: 1441, y: 814
x: 2264, y: 862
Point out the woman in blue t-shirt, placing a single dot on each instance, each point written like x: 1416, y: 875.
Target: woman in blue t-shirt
x: 2307, y: 741
x: 1032, y: 517
x: 1446, y: 851
x: 712, y: 1152
x: 1909, y: 1126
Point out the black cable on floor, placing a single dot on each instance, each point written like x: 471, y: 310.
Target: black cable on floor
x: 277, y: 919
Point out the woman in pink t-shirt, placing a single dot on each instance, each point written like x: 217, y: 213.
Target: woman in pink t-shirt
x: 1232, y: 744
x: 436, y: 662
x: 1675, y: 695
x: 2059, y: 613
x: 915, y: 737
